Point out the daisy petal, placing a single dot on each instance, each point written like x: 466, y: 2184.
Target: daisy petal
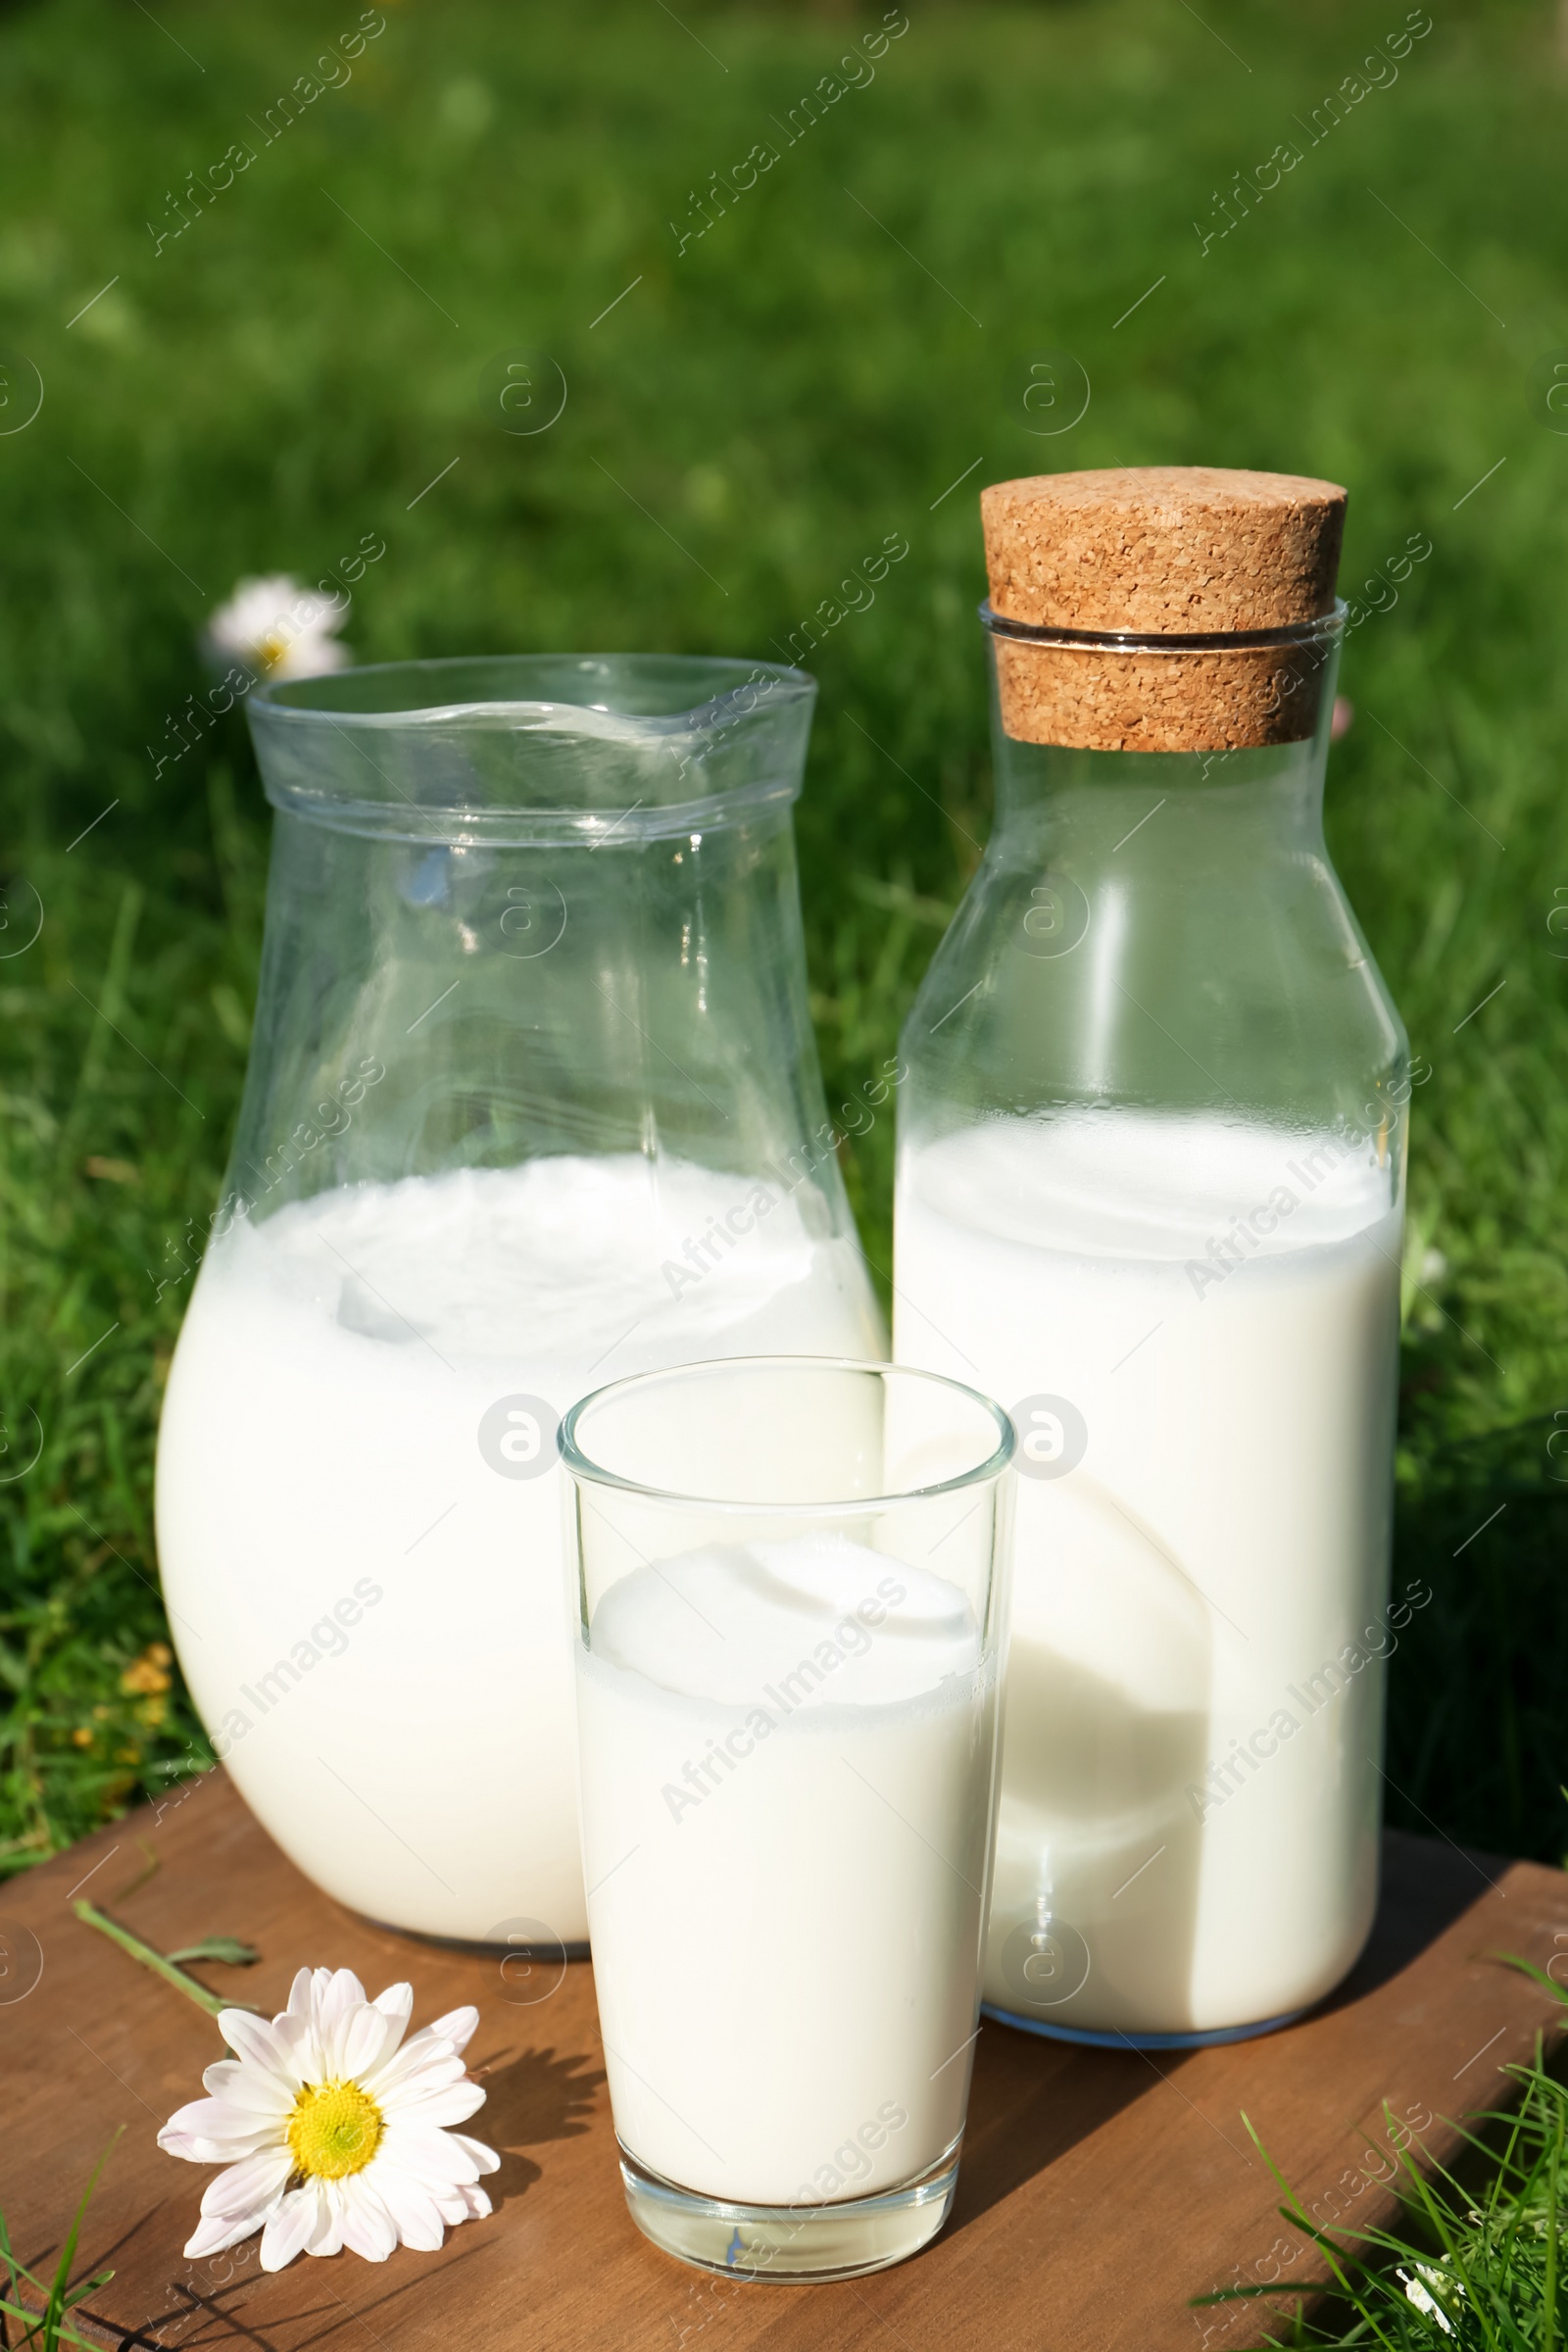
x: 259, y: 2044
x: 244, y: 2087
x: 288, y: 2228
x: 433, y: 2158
x: 337, y: 2004
x: 214, y: 2151
x: 222, y: 2119
x: 374, y: 2033
x: 214, y: 2233
x: 413, y: 2208
x: 327, y: 2236
x: 457, y: 2027
x: 426, y: 2055
x: 411, y: 2073
x: 452, y: 2103
x: 396, y: 2002
x: 367, y: 2226
x: 304, y: 2024
x: 224, y: 2141
x: 485, y: 2158
x: 253, y: 2186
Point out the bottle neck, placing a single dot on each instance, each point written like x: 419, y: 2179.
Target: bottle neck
x: 1191, y: 811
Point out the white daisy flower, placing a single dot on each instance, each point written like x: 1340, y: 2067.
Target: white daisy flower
x: 279, y: 629
x: 1416, y: 2292
x: 333, y: 2136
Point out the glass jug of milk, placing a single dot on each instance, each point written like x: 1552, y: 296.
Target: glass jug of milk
x: 532, y: 1103
x: 1150, y: 1186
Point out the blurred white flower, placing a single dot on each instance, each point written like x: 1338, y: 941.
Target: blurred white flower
x: 1417, y: 2292
x: 279, y: 629
x: 331, y: 2134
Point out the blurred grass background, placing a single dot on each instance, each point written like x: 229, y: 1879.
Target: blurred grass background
x: 761, y: 408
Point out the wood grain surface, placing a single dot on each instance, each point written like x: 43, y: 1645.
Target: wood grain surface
x: 1100, y: 2189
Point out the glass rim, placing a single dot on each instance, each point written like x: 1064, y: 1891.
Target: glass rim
x: 516, y: 699
x: 582, y: 1465
x: 309, y: 701
x: 1325, y: 625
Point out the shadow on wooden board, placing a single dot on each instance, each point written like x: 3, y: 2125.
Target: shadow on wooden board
x: 1034, y: 2098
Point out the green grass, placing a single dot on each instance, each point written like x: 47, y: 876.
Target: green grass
x: 43, y: 2323
x: 1473, y: 2258
x: 268, y: 386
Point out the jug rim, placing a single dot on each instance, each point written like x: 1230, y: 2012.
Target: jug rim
x: 702, y: 711
x: 330, y: 694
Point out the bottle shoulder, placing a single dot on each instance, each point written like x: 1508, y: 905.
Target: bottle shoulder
x: 1062, y: 979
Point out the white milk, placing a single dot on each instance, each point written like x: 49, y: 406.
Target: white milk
x: 372, y: 1618
x: 786, y: 1765
x: 1189, y: 1784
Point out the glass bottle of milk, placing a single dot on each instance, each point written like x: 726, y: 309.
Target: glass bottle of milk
x: 1150, y: 1189
x: 533, y: 1103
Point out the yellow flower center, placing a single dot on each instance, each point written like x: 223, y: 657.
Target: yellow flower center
x: 271, y: 649
x: 335, y: 2128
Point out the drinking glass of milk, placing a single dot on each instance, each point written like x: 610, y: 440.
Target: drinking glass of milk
x: 790, y: 1585
x: 532, y: 1100
x: 1151, y: 1190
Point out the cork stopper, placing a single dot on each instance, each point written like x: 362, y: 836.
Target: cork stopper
x: 1161, y: 551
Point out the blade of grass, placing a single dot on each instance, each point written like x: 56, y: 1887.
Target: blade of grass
x: 1549, y: 2341
x: 54, y: 2316
x: 63, y: 2335
x: 1296, y: 2216
x: 1560, y: 1992
x: 15, y: 2309
x: 88, y: 2287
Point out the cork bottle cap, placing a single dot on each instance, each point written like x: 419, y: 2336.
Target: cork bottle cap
x: 1162, y: 551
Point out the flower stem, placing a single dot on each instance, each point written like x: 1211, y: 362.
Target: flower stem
x: 212, y: 2002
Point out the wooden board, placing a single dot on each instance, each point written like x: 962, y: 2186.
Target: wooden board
x: 1099, y: 2192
